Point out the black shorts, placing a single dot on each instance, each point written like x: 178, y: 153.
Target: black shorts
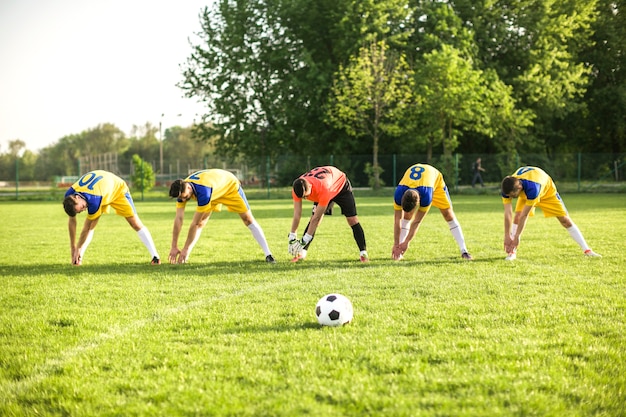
x: 344, y: 199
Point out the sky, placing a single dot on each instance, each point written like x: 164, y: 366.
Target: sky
x: 67, y: 66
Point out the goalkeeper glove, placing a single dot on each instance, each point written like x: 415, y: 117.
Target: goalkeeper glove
x: 293, y: 239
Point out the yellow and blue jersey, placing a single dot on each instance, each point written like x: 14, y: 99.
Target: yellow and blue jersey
x: 536, y: 184
x: 538, y: 189
x: 102, y: 189
x: 214, y: 187
x: 429, y: 184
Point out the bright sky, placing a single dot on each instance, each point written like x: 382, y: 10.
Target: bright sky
x: 69, y: 65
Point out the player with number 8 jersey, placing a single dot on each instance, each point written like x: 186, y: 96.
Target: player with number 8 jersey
x: 96, y: 192
x: 421, y: 187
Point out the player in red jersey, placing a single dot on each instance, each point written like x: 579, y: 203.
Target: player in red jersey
x: 323, y: 186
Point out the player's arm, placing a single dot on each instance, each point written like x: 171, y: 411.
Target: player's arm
x: 508, y: 222
x: 297, y: 215
x: 178, y: 225
x: 508, y: 218
x: 195, y: 229
x: 415, y: 224
x: 71, y: 227
x: 512, y: 242
x: 397, y: 216
x: 84, y: 239
x: 316, y: 218
x: 395, y: 250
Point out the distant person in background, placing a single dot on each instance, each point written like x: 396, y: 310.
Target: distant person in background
x: 323, y: 186
x: 534, y: 188
x: 477, y: 168
x: 421, y: 187
x: 211, y: 188
x: 95, y: 192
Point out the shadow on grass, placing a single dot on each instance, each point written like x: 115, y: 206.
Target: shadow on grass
x: 274, y: 328
x: 222, y: 268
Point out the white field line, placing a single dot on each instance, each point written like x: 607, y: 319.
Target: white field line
x: 43, y: 371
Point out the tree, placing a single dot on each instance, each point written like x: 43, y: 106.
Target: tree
x: 451, y: 93
x: 265, y: 70
x: 142, y: 176
x: 370, y: 95
x: 18, y: 162
x: 535, y: 46
x: 601, y: 126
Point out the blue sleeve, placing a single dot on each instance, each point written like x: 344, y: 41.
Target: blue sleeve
x: 426, y: 196
x: 397, y: 195
x: 531, y: 189
x: 425, y: 193
x: 203, y: 194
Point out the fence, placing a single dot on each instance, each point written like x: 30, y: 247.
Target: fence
x: 573, y: 172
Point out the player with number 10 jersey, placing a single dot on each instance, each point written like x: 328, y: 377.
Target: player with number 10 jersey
x: 96, y: 192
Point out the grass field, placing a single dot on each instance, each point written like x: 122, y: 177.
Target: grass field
x: 229, y: 335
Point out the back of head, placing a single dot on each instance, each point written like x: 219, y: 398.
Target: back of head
x: 410, y: 200
x: 508, y: 185
x: 176, y: 188
x: 69, y: 205
x: 299, y: 186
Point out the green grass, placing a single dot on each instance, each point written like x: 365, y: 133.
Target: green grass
x: 228, y: 335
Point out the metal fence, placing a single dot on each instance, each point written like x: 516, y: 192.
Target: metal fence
x: 574, y: 172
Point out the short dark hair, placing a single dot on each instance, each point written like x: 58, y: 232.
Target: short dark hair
x: 69, y: 205
x: 176, y: 188
x: 508, y: 185
x: 410, y: 200
x: 299, y: 185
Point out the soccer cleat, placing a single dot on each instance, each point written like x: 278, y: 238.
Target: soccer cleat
x: 270, y: 259
x: 467, y: 256
x: 364, y: 257
x: 592, y: 254
x: 511, y: 257
x: 300, y: 256
x: 155, y: 261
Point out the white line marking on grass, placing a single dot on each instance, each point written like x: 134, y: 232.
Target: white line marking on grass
x: 44, y: 370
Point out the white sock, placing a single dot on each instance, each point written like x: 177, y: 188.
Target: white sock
x: 87, y: 242
x: 574, y: 232
x: 404, y: 229
x: 258, y: 234
x: 457, y: 233
x: 146, y: 238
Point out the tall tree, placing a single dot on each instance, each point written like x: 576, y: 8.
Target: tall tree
x: 534, y: 46
x: 451, y: 93
x: 265, y: 68
x: 142, y: 177
x: 601, y: 127
x: 370, y: 95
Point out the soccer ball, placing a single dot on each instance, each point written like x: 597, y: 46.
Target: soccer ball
x: 334, y: 310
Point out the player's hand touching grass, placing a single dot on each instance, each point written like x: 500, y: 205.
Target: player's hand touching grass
x: 173, y: 255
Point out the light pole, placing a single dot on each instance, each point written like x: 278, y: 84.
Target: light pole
x: 161, y: 144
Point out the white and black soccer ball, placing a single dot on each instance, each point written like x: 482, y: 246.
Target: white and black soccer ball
x: 334, y: 310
